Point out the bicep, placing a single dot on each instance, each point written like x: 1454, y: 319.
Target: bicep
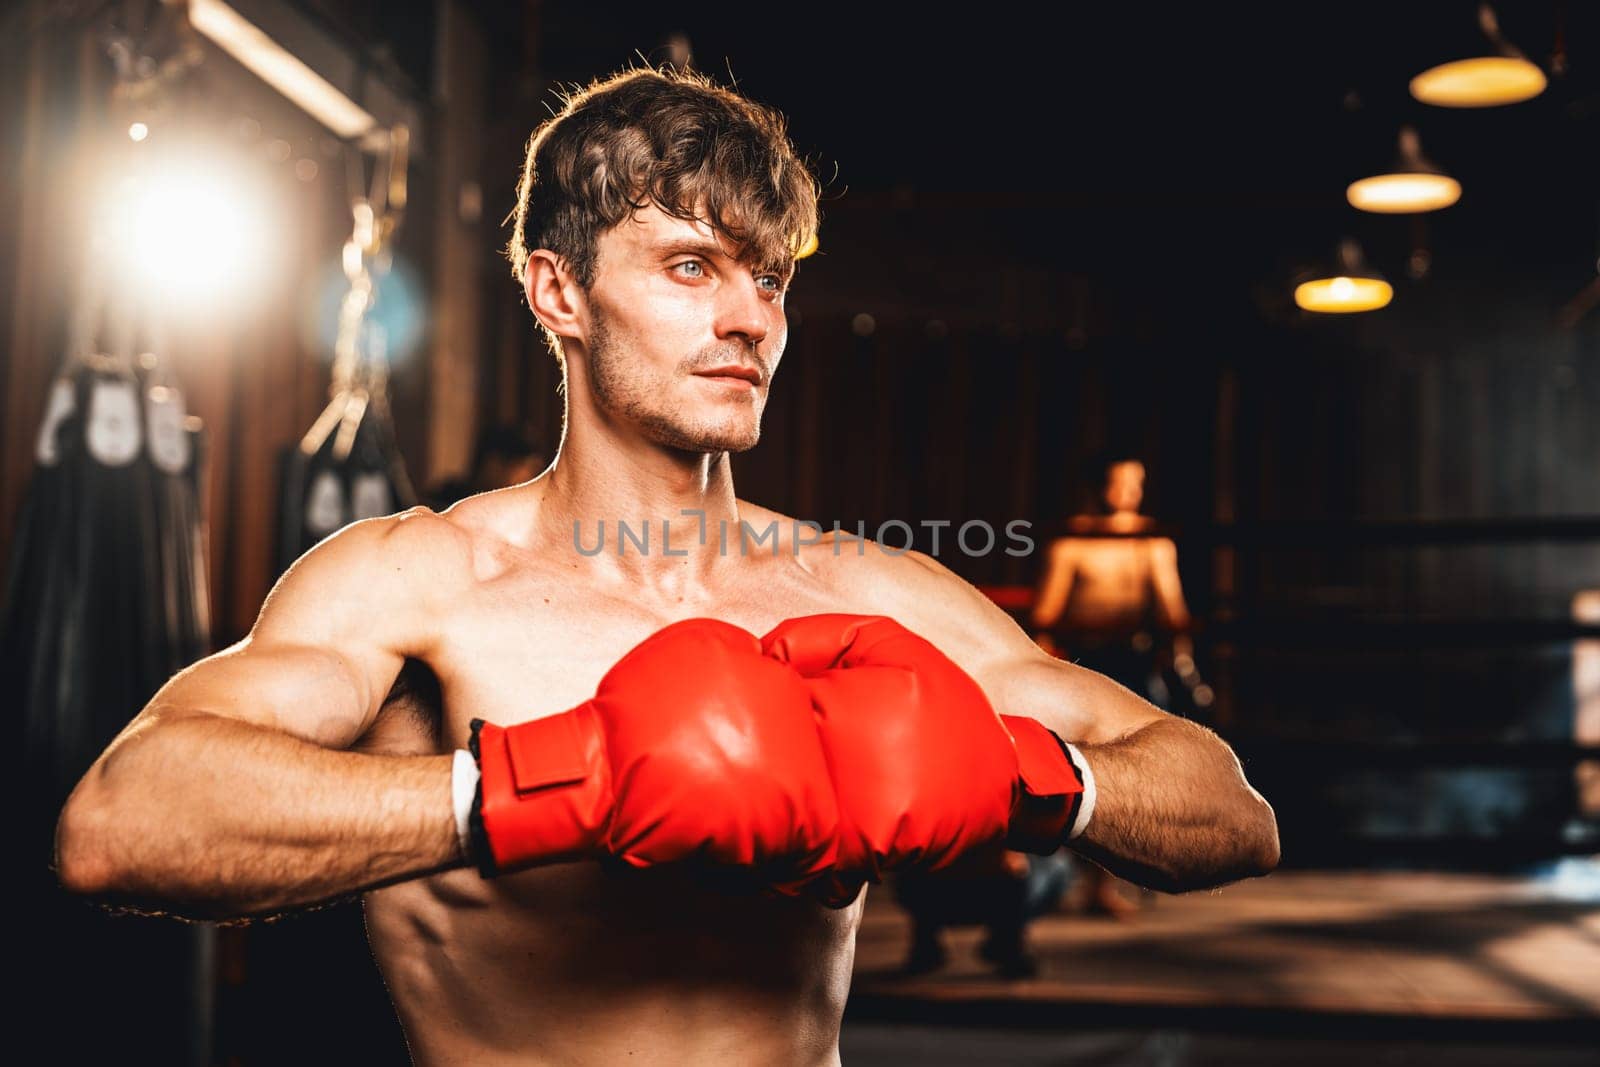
x: 315, y: 693
x: 1081, y: 705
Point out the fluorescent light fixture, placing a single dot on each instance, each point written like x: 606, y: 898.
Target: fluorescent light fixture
x: 280, y: 68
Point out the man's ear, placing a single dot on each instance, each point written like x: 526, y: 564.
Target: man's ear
x: 554, y: 294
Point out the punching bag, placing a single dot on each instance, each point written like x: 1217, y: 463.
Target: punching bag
x: 106, y: 596
x: 105, y: 599
x: 348, y: 466
x: 36, y: 591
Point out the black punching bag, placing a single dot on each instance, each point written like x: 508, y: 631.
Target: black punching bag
x: 354, y: 472
x: 105, y: 599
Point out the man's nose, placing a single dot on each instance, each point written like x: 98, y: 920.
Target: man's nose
x: 742, y: 311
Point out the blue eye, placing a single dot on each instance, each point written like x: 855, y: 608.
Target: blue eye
x: 699, y: 268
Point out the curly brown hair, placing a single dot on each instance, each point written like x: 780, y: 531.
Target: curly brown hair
x: 673, y: 138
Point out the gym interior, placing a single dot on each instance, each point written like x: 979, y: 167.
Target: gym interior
x: 1339, y: 320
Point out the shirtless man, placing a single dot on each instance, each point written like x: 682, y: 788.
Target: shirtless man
x: 655, y: 238
x: 1107, y: 587
x: 1111, y: 577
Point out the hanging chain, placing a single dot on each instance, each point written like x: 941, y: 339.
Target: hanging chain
x: 360, y: 351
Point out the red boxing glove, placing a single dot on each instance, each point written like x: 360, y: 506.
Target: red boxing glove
x: 694, y: 746
x: 1052, y: 793
x: 923, y: 767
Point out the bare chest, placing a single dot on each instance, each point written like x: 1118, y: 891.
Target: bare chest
x: 1114, y: 567
x: 574, y: 949
x: 530, y: 645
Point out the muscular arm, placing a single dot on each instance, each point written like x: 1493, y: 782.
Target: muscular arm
x: 232, y: 793
x: 1174, y: 811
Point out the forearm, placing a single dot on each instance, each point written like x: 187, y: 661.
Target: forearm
x: 1173, y: 810
x: 216, y: 818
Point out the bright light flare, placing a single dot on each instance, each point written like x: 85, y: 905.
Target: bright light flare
x: 188, y: 232
x: 395, y: 304
x: 138, y: 131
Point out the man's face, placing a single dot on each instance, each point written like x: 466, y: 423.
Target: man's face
x: 684, y: 338
x: 1125, y: 486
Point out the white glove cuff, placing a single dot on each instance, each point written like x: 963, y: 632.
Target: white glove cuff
x: 1086, y: 805
x: 463, y: 788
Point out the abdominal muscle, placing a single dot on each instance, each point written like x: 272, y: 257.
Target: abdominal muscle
x: 573, y: 964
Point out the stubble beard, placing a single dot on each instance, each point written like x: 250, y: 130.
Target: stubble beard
x: 622, y: 390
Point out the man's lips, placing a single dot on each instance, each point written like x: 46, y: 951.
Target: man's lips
x: 732, y: 370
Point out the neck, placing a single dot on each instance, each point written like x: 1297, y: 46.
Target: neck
x: 637, y: 510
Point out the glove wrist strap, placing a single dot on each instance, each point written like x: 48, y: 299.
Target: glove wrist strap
x: 1086, y: 799
x: 1049, y: 805
x: 463, y: 796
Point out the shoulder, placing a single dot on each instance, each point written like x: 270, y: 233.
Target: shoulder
x: 922, y: 594
x: 1062, y: 547
x: 372, y: 572
x: 863, y: 575
x: 416, y: 542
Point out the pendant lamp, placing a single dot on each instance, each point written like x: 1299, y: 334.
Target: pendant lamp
x: 1504, y: 77
x: 1349, y: 285
x: 1412, y: 185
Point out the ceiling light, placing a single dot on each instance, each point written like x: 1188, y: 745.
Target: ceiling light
x: 1507, y: 77
x: 1413, y: 184
x: 1350, y: 285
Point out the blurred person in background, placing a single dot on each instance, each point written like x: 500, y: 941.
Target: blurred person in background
x: 1110, y: 599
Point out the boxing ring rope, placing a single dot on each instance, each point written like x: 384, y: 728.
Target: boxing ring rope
x: 1289, y: 763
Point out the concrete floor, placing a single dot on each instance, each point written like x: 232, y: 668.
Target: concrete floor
x: 900, y: 1045
x: 1299, y: 968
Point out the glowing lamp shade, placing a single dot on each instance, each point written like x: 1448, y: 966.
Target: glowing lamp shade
x: 1413, y: 184
x: 1484, y: 81
x: 1503, y: 77
x: 1349, y: 286
x: 1343, y: 294
x: 1403, y: 194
